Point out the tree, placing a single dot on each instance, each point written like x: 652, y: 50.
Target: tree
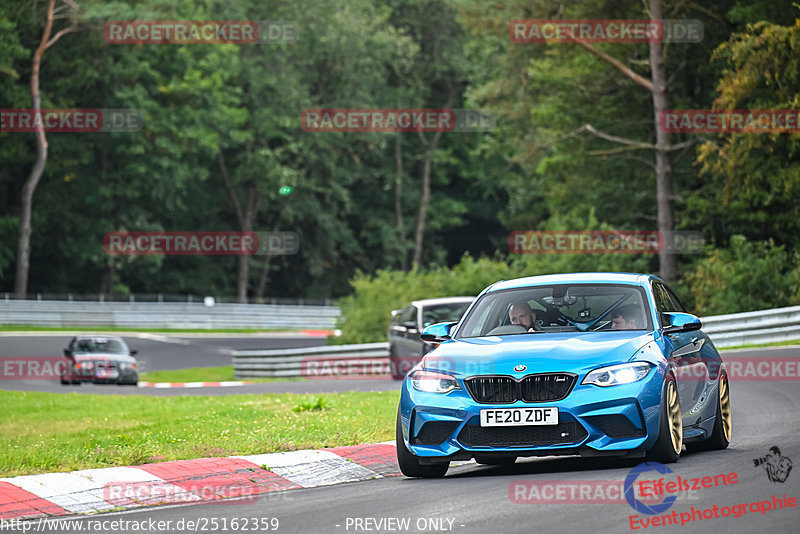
x: 29, y: 188
x: 753, y: 180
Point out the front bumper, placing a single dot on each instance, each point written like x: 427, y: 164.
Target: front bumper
x: 122, y: 376
x: 620, y: 420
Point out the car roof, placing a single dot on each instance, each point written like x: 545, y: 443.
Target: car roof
x: 574, y: 278
x: 97, y: 336
x: 443, y: 300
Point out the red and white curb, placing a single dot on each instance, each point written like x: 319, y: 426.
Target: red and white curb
x: 163, y: 385
x: 191, y: 481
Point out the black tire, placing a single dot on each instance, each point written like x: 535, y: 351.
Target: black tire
x: 409, y: 463
x: 720, y: 438
x: 64, y: 382
x: 666, y: 450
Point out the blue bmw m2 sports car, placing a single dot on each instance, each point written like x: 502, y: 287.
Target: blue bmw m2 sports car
x: 586, y: 364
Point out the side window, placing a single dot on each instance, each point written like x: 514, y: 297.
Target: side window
x: 409, y: 314
x: 662, y: 304
x: 676, y: 303
x: 663, y: 301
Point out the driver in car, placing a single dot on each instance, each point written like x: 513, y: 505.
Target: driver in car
x: 521, y: 314
x: 624, y: 318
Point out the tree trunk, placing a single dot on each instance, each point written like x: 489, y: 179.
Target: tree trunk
x: 29, y: 188
x: 251, y: 190
x: 664, y: 195
x: 246, y: 220
x: 425, y: 197
x: 263, y: 277
x: 398, y: 201
x: 422, y: 213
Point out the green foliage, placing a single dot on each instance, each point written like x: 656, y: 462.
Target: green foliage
x: 366, y: 313
x: 752, y: 181
x: 747, y: 276
x: 315, y: 404
x: 352, y: 206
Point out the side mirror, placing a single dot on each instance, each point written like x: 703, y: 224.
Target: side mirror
x: 410, y: 325
x: 134, y: 352
x: 67, y: 353
x: 436, y: 333
x: 681, y: 322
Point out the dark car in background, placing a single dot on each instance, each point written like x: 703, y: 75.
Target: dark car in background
x: 100, y: 359
x: 405, y: 347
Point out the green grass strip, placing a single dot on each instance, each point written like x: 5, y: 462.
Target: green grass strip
x: 206, y: 374
x: 48, y: 432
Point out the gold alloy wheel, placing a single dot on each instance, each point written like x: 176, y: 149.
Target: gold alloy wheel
x: 725, y: 407
x: 674, y: 417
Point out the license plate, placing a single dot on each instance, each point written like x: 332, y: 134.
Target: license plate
x: 519, y: 416
x: 107, y: 374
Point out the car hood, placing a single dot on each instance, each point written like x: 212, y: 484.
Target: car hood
x: 94, y: 356
x: 540, y: 353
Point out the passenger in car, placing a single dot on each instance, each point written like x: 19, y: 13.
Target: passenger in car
x: 521, y: 314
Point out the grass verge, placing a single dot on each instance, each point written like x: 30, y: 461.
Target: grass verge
x: 47, y: 432
x: 206, y: 374
x: 762, y: 345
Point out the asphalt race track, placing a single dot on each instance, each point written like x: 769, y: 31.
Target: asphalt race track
x: 157, y: 352
x: 480, y: 499
x: 474, y: 498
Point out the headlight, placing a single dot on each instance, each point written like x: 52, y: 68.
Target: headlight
x: 84, y: 365
x: 618, y: 374
x: 126, y: 366
x: 432, y: 382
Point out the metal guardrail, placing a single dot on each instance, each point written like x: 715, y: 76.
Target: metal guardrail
x: 165, y: 315
x: 337, y: 360
x: 765, y: 326
x: 164, y: 297
x: 731, y: 330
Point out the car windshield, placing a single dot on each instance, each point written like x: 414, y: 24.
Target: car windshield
x: 558, y: 308
x: 443, y: 313
x: 104, y: 345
